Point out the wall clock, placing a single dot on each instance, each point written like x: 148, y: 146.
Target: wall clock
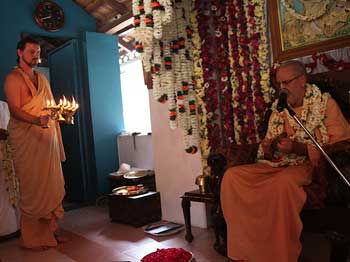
x: 49, y: 16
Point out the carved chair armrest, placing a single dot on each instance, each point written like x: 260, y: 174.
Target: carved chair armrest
x: 339, y: 150
x: 234, y: 155
x: 229, y: 156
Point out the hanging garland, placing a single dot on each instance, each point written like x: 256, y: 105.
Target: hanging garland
x: 223, y: 67
x: 162, y: 34
x: 210, y: 96
x: 235, y: 76
x: 249, y: 68
x: 198, y: 82
x: 329, y: 63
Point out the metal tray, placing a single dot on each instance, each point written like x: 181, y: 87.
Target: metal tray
x: 129, y: 190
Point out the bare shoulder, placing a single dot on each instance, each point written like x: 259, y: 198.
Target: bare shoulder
x: 14, y: 80
x: 14, y: 75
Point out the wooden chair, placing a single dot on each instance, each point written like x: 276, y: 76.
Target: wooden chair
x: 328, y: 197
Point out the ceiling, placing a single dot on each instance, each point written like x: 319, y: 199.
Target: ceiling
x: 112, y: 17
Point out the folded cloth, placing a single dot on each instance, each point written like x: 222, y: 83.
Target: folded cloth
x: 124, y: 167
x: 4, y: 115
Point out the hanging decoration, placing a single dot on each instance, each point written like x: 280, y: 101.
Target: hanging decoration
x: 330, y: 63
x: 163, y: 35
x: 231, y: 71
x: 249, y: 68
x: 198, y: 81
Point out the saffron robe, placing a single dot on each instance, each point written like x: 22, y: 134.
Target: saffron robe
x: 261, y: 203
x: 37, y: 156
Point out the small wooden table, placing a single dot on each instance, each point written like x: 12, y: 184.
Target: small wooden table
x: 195, y: 196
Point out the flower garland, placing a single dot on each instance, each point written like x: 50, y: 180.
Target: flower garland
x: 305, y: 18
x: 210, y: 88
x: 11, y: 181
x: 330, y: 63
x: 223, y: 66
x: 259, y: 41
x: 231, y: 16
x: 312, y: 116
x: 164, y: 41
x: 231, y: 71
x: 198, y: 82
x: 249, y: 68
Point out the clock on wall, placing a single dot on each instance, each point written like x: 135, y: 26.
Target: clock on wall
x: 49, y: 16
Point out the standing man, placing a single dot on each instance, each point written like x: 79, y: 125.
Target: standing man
x: 261, y: 202
x: 37, y: 151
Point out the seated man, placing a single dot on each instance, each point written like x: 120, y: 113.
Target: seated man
x: 261, y: 202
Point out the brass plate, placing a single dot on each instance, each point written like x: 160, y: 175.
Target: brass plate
x: 130, y: 190
x: 135, y: 174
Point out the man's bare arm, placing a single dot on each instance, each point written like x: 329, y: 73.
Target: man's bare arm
x: 13, y: 96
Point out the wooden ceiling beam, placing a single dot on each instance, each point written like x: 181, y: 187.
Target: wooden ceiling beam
x: 117, y: 6
x: 114, y: 26
x: 93, y: 6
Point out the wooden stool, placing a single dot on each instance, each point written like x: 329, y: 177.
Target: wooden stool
x: 195, y: 196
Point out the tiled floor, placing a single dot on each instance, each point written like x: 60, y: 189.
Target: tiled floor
x: 95, y: 238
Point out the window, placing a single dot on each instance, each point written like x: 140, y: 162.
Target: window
x: 135, y: 97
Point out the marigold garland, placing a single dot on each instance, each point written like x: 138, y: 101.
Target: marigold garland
x: 198, y: 82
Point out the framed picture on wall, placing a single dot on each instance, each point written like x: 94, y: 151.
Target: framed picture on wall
x: 305, y: 27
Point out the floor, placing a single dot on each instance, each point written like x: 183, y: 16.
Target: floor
x: 95, y: 238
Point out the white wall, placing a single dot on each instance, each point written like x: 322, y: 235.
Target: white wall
x: 136, y: 151
x: 175, y: 169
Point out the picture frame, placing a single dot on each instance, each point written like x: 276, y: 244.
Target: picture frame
x: 308, y: 38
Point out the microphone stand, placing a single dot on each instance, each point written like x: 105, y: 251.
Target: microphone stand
x: 293, y: 114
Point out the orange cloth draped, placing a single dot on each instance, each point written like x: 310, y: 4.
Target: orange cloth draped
x: 261, y: 204
x: 37, y: 155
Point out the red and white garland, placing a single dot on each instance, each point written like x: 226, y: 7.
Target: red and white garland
x: 329, y: 63
x: 231, y: 71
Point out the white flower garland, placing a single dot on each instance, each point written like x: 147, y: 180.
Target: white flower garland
x: 166, y: 51
x: 312, y: 116
x: 305, y: 18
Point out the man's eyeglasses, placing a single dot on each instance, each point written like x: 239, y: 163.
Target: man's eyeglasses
x: 286, y: 82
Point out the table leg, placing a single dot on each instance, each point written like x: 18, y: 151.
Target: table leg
x: 186, y: 205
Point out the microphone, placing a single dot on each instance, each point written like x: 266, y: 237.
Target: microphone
x: 282, y: 100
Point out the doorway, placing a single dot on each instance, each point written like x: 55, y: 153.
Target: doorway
x: 60, y: 63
